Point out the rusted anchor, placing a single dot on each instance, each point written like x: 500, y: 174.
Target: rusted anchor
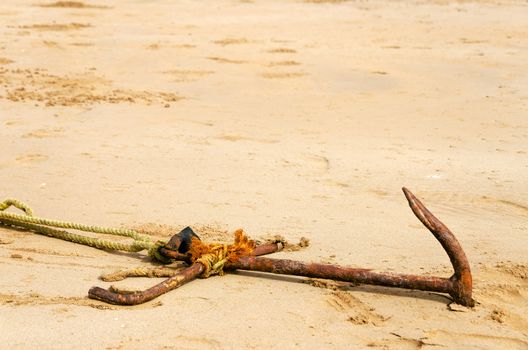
x: 458, y: 286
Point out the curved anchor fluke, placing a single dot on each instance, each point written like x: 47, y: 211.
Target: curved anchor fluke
x: 462, y: 280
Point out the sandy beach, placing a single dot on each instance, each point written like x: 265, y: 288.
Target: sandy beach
x: 298, y: 118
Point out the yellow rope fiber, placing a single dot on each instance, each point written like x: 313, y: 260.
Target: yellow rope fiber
x: 44, y: 226
x: 140, y: 272
x: 214, y: 256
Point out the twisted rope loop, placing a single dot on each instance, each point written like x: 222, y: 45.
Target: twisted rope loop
x: 45, y: 226
x: 214, y: 256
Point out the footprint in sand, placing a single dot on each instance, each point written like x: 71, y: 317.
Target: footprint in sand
x: 231, y: 41
x: 514, y: 269
x: 72, y: 5
x: 358, y: 312
x: 473, y: 41
x: 401, y: 342
x: 282, y: 75
x: 181, y: 75
x: 502, y: 293
x: 44, y: 133
x: 157, y: 46
x: 321, y: 162
x: 51, y: 44
x: 6, y: 241
x: 312, y: 163
x: 283, y: 63
x: 343, y: 301
x: 80, y: 44
x: 226, y: 60
x: 235, y: 138
x: 282, y: 50
x: 56, y: 26
x: 31, y: 158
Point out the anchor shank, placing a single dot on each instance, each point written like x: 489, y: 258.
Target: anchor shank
x: 345, y: 274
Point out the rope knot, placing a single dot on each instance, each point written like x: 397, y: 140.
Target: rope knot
x: 154, y: 252
x: 214, y: 256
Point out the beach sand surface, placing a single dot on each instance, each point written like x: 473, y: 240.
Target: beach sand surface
x: 299, y: 118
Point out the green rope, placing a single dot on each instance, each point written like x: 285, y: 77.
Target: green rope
x: 44, y: 226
